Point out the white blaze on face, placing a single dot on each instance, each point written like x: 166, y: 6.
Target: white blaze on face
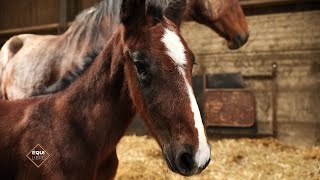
x: 176, y: 50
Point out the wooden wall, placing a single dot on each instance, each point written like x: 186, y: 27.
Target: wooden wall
x: 290, y: 39
x: 21, y: 13
x: 38, y: 16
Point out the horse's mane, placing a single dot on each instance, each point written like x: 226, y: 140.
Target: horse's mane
x: 87, y: 24
x: 91, y: 18
x: 95, y: 14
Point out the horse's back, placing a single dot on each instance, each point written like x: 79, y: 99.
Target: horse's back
x: 15, y: 43
x: 24, y: 64
x: 11, y: 47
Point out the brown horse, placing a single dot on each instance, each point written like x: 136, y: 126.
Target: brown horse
x: 147, y: 67
x: 35, y: 65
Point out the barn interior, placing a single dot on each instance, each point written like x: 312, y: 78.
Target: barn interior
x: 260, y: 103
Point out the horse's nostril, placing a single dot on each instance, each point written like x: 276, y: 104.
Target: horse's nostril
x: 242, y: 39
x: 185, y: 163
x: 239, y: 40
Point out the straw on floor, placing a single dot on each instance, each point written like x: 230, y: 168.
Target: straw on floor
x: 141, y: 158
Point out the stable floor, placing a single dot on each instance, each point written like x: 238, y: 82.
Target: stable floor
x: 265, y: 158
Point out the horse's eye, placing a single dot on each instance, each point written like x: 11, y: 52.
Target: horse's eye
x: 140, y: 68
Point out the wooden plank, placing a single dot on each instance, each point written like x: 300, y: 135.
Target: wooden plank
x: 250, y: 3
x: 30, y: 29
x: 272, y: 32
x: 62, y: 16
x: 292, y: 64
x: 24, y: 13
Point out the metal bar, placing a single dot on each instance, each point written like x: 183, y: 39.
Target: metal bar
x: 259, y: 77
x: 62, y: 16
x: 250, y: 3
x: 274, y: 100
x: 32, y: 29
x: 204, y: 82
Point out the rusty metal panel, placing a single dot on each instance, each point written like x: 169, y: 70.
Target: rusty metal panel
x: 229, y: 108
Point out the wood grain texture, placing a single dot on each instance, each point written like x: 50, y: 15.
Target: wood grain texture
x: 22, y: 13
x: 273, y: 32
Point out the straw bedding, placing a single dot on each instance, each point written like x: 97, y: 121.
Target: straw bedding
x: 141, y: 158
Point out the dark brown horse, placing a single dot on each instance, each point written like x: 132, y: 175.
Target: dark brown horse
x: 147, y: 67
x: 35, y: 65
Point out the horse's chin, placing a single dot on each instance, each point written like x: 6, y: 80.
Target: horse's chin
x: 170, y: 164
x: 233, y: 45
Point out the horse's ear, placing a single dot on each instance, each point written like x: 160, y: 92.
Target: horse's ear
x: 132, y: 12
x: 127, y: 10
x: 175, y: 11
x: 155, y: 8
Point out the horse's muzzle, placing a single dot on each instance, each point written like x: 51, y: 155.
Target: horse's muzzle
x: 238, y: 41
x: 183, y: 161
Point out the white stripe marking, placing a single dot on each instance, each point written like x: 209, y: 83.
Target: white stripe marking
x: 203, y: 154
x: 176, y: 50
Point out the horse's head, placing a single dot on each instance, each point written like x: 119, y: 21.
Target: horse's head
x: 158, y: 71
x: 226, y: 17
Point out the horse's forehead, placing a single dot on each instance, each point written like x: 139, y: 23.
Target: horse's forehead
x: 174, y: 47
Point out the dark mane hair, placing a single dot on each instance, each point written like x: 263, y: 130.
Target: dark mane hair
x: 87, y: 24
x: 88, y: 21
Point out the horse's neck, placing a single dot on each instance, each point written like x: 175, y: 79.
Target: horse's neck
x: 99, y: 99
